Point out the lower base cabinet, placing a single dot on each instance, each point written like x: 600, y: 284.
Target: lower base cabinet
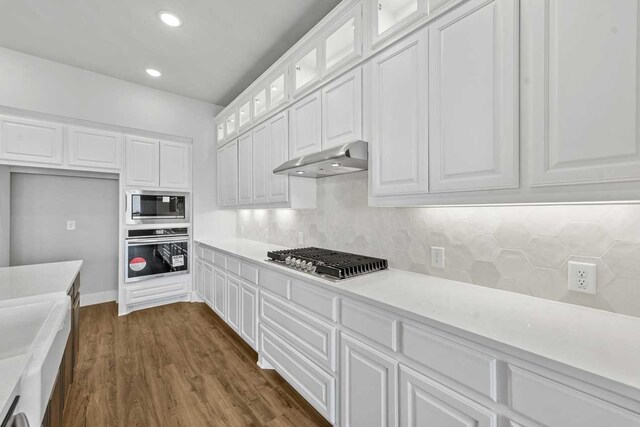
x: 233, y: 302
x: 427, y: 403
x: 220, y: 292
x: 249, y: 314
x: 368, y: 385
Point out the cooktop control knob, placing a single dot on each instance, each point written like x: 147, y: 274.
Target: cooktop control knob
x: 298, y: 262
x: 303, y: 265
x: 310, y: 267
x: 288, y: 260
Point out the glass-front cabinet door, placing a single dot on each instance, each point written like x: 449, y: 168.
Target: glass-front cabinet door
x: 259, y: 103
x: 306, y: 70
x: 231, y: 125
x: 220, y: 131
x: 244, y: 114
x: 390, y: 15
x: 278, y: 90
x: 343, y: 40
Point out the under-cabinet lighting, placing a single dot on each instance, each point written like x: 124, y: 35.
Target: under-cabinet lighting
x: 153, y: 72
x: 169, y: 18
x: 335, y: 165
x: 274, y: 88
x: 300, y: 172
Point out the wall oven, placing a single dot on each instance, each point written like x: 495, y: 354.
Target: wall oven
x: 156, y: 252
x: 153, y: 207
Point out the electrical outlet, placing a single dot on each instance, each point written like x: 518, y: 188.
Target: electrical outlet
x: 300, y: 238
x: 582, y: 277
x: 71, y: 225
x: 437, y: 257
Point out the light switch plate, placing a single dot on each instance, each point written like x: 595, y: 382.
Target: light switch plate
x: 582, y: 277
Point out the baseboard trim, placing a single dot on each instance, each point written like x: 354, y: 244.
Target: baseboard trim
x: 98, y: 297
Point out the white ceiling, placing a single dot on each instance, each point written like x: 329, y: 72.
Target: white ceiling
x: 221, y: 48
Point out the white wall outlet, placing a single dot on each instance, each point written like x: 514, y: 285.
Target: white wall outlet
x: 300, y: 238
x: 437, y: 257
x: 71, y: 225
x: 582, y: 277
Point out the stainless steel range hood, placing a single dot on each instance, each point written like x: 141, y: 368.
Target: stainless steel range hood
x: 347, y: 158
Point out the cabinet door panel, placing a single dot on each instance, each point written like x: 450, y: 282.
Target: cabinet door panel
x: 368, y: 385
x: 249, y: 314
x: 399, y: 148
x: 473, y: 97
x: 208, y: 279
x: 261, y: 164
x: 278, y: 154
x: 306, y: 126
x: 94, y: 149
x: 220, y: 292
x: 30, y: 141
x: 231, y: 172
x: 222, y: 178
x: 233, y: 302
x: 342, y: 110
x: 427, y: 403
x: 245, y: 168
x: 580, y: 97
x: 175, y: 165
x: 143, y: 162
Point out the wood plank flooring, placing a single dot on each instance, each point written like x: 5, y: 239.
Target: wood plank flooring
x: 176, y: 365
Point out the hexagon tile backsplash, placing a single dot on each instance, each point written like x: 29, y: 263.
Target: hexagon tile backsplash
x: 516, y: 248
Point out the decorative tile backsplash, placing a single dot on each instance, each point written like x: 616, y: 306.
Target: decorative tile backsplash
x: 521, y: 249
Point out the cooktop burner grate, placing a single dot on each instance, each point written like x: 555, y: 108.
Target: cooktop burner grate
x: 326, y: 262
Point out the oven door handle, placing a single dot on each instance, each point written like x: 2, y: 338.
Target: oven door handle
x: 139, y: 242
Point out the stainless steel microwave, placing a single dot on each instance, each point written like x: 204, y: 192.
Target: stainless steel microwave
x: 154, y: 207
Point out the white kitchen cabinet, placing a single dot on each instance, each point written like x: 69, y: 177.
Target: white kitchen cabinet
x: 278, y: 90
x: 233, y: 302
x: 260, y: 162
x: 220, y: 292
x: 259, y: 101
x: 580, y: 86
x: 342, y: 110
x: 389, y: 17
x: 245, y: 168
x: 222, y: 177
x: 220, y: 131
x: 306, y: 68
x: 208, y: 280
x: 33, y: 141
x: 399, y: 120
x: 199, y: 279
x: 278, y: 154
x: 427, y: 403
x: 473, y: 97
x: 175, y: 165
x: 368, y: 390
x: 244, y: 115
x: 231, y: 125
x: 231, y: 172
x: 249, y: 313
x: 342, y: 41
x: 142, y: 161
x: 94, y: 149
x: 306, y: 125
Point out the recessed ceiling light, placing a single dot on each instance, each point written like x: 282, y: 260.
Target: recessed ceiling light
x: 169, y: 18
x: 153, y: 73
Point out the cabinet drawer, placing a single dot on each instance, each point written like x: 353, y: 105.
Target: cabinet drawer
x: 554, y: 404
x: 249, y: 272
x: 314, y: 299
x: 317, y: 386
x: 233, y: 266
x: 198, y: 251
x: 370, y: 323
x: 467, y: 366
x: 276, y: 283
x: 313, y: 338
x: 220, y: 260
x: 138, y: 294
x: 207, y: 255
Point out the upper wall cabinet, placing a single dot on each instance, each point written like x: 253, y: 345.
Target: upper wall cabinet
x: 399, y: 120
x: 306, y: 68
x: 94, y: 149
x: 143, y: 161
x: 580, y: 90
x: 261, y: 167
x: 305, y: 129
x: 342, y: 42
x: 390, y: 16
x: 342, y: 110
x: 259, y: 101
x: 221, y: 177
x: 31, y: 141
x: 175, y: 165
x: 278, y: 154
x: 231, y: 125
x: 231, y: 171
x: 278, y: 90
x: 473, y: 97
x: 220, y: 131
x: 245, y: 168
x: 244, y: 115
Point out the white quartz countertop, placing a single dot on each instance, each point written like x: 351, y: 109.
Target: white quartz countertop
x: 28, y: 280
x: 599, y: 342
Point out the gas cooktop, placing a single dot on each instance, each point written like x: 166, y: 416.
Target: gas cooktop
x: 327, y: 263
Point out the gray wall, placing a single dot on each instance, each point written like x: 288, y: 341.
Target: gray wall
x: 4, y: 215
x: 40, y: 208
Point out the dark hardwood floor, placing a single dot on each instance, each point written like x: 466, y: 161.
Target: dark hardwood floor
x: 176, y: 365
